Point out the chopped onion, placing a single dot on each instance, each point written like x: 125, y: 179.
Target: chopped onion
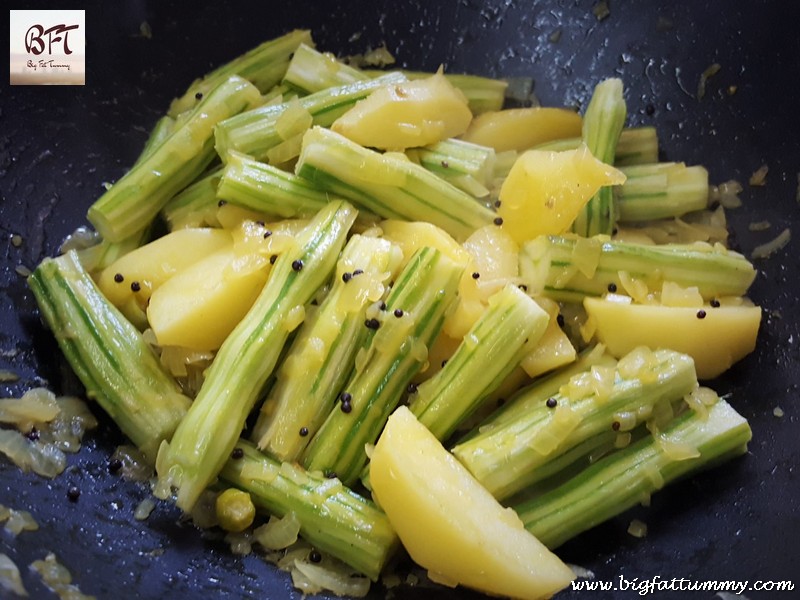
x: 766, y: 250
x: 18, y: 521
x: 602, y: 381
x: 644, y: 412
x: 293, y: 473
x: 562, y: 280
x: 759, y: 177
x: 285, y: 151
x: 419, y: 351
x: 778, y: 412
x: 586, y: 255
x: 58, y: 578
x: 655, y: 477
x: 135, y: 466
x: 293, y: 121
x: 391, y: 580
x: 635, y: 288
x: 295, y: 317
x: 285, y: 559
x: 59, y: 422
x: 314, y: 577
x: 579, y: 386
x: 36, y: 406
x: 258, y: 471
x: 419, y: 577
x: 80, y: 239
x: 329, y: 575
x: 663, y: 413
x: 675, y: 449
x: 42, y: 459
x: 674, y: 295
x: 727, y: 194
x: 730, y: 202
x: 637, y: 362
x: 637, y: 528
x: 563, y: 422
x: 601, y: 10
x: 7, y: 376
x: 633, y: 235
x: 9, y: 576
x: 278, y: 533
x: 241, y: 542
x: 734, y: 301
x: 66, y: 431
x: 700, y: 399
x: 184, y: 362
x: 700, y: 226
x: 378, y: 57
x: 143, y: 509
x: 759, y: 226
x: 712, y: 70
x: 712, y: 224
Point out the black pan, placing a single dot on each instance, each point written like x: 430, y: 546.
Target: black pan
x: 59, y: 144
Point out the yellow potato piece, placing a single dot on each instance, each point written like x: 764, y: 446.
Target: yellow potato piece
x: 152, y: 264
x: 725, y: 335
x: 413, y: 235
x: 200, y: 306
x: 545, y: 191
x: 553, y: 349
x: 405, y: 115
x: 495, y: 258
x: 450, y: 524
x: 523, y: 128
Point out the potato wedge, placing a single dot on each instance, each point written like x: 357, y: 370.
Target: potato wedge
x: 545, y: 191
x: 523, y: 128
x: 406, y: 115
x: 450, y: 524
x: 723, y: 336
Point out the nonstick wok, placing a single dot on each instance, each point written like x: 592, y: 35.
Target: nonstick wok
x: 59, y: 144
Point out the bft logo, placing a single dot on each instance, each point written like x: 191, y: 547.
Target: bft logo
x: 35, y: 38
x: 48, y: 47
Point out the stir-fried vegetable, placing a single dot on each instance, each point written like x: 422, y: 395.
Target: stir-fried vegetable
x: 318, y: 320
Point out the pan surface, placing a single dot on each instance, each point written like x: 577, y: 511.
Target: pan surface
x: 59, y: 144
